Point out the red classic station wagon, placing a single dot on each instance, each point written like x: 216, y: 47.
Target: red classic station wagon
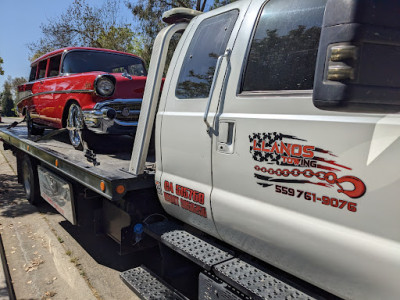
x: 80, y: 88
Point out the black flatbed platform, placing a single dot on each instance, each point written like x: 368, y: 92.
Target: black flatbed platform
x: 112, y: 152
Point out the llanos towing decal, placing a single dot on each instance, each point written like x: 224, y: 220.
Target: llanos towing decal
x: 286, y: 159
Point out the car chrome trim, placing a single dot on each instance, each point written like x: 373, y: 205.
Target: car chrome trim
x: 116, y: 102
x: 111, y: 77
x: 55, y: 92
x: 96, y: 119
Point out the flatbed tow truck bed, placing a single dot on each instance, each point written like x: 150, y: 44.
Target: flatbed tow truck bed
x: 59, y: 155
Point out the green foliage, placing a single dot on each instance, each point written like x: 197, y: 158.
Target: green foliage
x: 10, y: 92
x: 116, y: 38
x: 15, y: 82
x: 87, y: 26
x: 148, y: 15
x: 7, y: 102
x: 1, y: 68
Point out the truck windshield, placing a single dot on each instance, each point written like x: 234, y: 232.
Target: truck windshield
x: 87, y: 61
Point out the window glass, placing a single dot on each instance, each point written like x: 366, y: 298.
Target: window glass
x: 42, y: 69
x: 88, y: 61
x: 284, y: 49
x: 208, y: 43
x: 54, y: 66
x: 32, y: 75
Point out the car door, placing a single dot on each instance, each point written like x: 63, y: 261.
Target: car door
x: 185, y: 144
x: 42, y: 95
x: 296, y: 186
x: 51, y: 107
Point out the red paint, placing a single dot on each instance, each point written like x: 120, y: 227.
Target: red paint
x: 48, y: 109
x: 359, y: 186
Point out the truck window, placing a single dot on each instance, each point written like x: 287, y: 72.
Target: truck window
x: 42, y: 69
x: 54, y: 66
x: 32, y: 74
x: 209, y: 42
x: 284, y: 48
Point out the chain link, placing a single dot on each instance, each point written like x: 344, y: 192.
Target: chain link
x: 329, y: 177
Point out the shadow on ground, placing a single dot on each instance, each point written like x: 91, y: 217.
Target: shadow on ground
x: 99, y: 246
x: 12, y: 199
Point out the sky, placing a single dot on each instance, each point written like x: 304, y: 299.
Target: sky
x: 20, y: 24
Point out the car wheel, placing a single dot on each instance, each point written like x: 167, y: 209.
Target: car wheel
x: 32, y: 129
x: 75, y: 126
x: 30, y: 180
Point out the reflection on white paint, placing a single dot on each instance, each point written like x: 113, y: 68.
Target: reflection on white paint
x: 387, y: 131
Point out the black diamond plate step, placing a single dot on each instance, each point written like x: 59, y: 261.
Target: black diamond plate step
x: 148, y: 286
x: 197, y: 250
x: 258, y: 283
x: 213, y: 288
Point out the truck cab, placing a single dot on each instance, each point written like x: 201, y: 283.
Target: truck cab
x: 275, y: 175
x: 275, y: 133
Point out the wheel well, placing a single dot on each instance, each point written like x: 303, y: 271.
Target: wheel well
x: 65, y: 112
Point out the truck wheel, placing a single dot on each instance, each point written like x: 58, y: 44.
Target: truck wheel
x: 30, y: 180
x: 32, y: 129
x: 75, y: 125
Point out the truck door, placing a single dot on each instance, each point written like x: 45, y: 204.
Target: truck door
x: 296, y: 186
x: 185, y: 143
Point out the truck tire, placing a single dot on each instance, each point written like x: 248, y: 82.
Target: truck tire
x: 32, y: 128
x: 30, y: 180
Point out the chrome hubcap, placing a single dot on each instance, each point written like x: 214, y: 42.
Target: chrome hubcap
x: 75, y: 124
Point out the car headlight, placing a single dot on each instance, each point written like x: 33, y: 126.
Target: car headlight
x: 104, y: 86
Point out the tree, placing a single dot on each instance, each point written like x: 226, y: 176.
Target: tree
x: 148, y: 15
x: 7, y: 102
x: 1, y: 68
x: 13, y: 83
x: 86, y: 26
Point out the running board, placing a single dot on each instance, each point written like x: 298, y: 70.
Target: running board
x: 149, y: 286
x: 256, y: 283
x: 201, y: 252
x: 247, y: 278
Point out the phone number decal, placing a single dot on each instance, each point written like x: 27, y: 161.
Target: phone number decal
x: 312, y: 197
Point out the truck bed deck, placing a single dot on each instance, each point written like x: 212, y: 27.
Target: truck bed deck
x: 112, y: 152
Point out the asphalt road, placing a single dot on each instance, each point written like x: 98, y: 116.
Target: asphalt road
x: 49, y: 258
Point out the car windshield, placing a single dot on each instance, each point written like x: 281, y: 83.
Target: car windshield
x: 88, y: 61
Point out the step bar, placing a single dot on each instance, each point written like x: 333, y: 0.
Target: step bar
x: 225, y: 274
x: 149, y: 286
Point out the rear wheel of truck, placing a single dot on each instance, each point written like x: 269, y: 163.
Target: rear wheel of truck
x: 30, y: 180
x: 32, y: 128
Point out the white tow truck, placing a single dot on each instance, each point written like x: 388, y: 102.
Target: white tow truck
x: 274, y: 175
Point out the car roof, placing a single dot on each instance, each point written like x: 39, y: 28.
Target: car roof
x: 67, y: 49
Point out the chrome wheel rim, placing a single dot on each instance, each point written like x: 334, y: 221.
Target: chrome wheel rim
x: 75, y: 124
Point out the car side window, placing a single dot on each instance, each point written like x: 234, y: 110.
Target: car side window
x: 32, y: 75
x: 208, y: 43
x: 284, y: 48
x: 54, y: 66
x: 42, y: 69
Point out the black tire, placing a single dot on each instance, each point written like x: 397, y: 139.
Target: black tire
x: 75, y: 119
x: 30, y: 180
x: 32, y: 128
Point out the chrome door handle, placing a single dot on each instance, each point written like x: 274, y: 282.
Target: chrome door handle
x: 216, y: 72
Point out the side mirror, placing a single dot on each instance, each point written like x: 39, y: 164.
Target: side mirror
x: 358, y: 62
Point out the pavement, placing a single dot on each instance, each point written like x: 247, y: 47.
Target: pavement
x: 47, y: 257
